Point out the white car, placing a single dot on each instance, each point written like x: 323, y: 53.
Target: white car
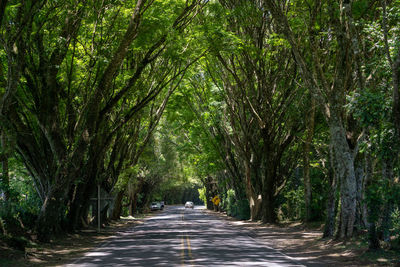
x: 155, y: 206
x: 189, y: 204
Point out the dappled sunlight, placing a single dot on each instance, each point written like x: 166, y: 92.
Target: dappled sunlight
x: 182, y: 237
x: 97, y: 254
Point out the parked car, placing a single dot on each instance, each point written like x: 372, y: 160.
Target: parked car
x: 189, y: 204
x: 155, y: 206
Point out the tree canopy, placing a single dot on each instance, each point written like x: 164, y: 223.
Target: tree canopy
x: 287, y: 110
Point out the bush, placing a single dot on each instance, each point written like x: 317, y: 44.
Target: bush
x: 243, y: 209
x: 202, y: 195
x: 230, y: 202
x: 396, y: 224
x: 237, y: 208
x: 19, y: 243
x: 11, y: 223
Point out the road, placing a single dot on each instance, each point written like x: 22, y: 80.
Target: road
x: 183, y: 237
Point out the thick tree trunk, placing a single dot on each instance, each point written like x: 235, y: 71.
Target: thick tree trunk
x: 268, y: 194
x: 51, y: 215
x: 134, y: 204
x: 329, y: 229
x: 306, y: 162
x: 254, y: 201
x: 268, y: 205
x: 345, y: 172
x: 79, y: 206
x: 360, y: 185
x: 116, y: 213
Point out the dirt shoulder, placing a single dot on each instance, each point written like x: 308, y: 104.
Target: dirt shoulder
x: 305, y: 244
x: 65, y: 249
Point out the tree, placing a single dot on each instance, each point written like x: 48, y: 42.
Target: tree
x: 66, y: 85
x: 329, y: 81
x: 259, y: 98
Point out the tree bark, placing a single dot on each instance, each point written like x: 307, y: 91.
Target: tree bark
x: 306, y: 162
x: 3, y: 5
x: 360, y: 185
x: 51, y: 215
x: 373, y: 237
x: 268, y: 201
x: 368, y: 170
x: 345, y: 170
x: 116, y: 213
x: 254, y: 201
x: 329, y: 229
x: 387, y: 173
x: 5, y: 178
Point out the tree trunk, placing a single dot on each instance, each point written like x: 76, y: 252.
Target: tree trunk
x: 5, y: 181
x: 368, y: 174
x: 268, y: 193
x: 131, y: 211
x: 329, y: 229
x: 254, y: 201
x: 134, y: 203
x: 306, y: 162
x: 360, y: 185
x: 345, y: 172
x: 373, y: 237
x: 51, y: 215
x: 268, y: 205
x: 209, y: 193
x: 387, y: 173
x: 79, y: 206
x: 116, y: 213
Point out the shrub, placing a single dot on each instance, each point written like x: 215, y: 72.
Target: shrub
x: 202, y: 195
x: 237, y: 208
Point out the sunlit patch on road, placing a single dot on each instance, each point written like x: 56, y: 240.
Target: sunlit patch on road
x: 180, y: 237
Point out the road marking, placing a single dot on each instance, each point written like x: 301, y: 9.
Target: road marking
x: 183, y: 245
x: 189, y: 248
x: 183, y: 251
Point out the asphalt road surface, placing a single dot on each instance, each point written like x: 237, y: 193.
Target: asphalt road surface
x: 183, y: 237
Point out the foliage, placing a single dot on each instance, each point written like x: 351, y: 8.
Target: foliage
x: 237, y: 208
x: 202, y: 194
x: 186, y: 100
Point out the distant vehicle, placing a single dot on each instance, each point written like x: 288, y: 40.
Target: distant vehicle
x: 155, y: 206
x: 162, y: 203
x: 189, y: 204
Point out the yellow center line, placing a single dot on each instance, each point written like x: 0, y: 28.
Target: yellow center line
x: 188, y: 244
x: 189, y: 248
x: 183, y: 246
x: 183, y: 251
